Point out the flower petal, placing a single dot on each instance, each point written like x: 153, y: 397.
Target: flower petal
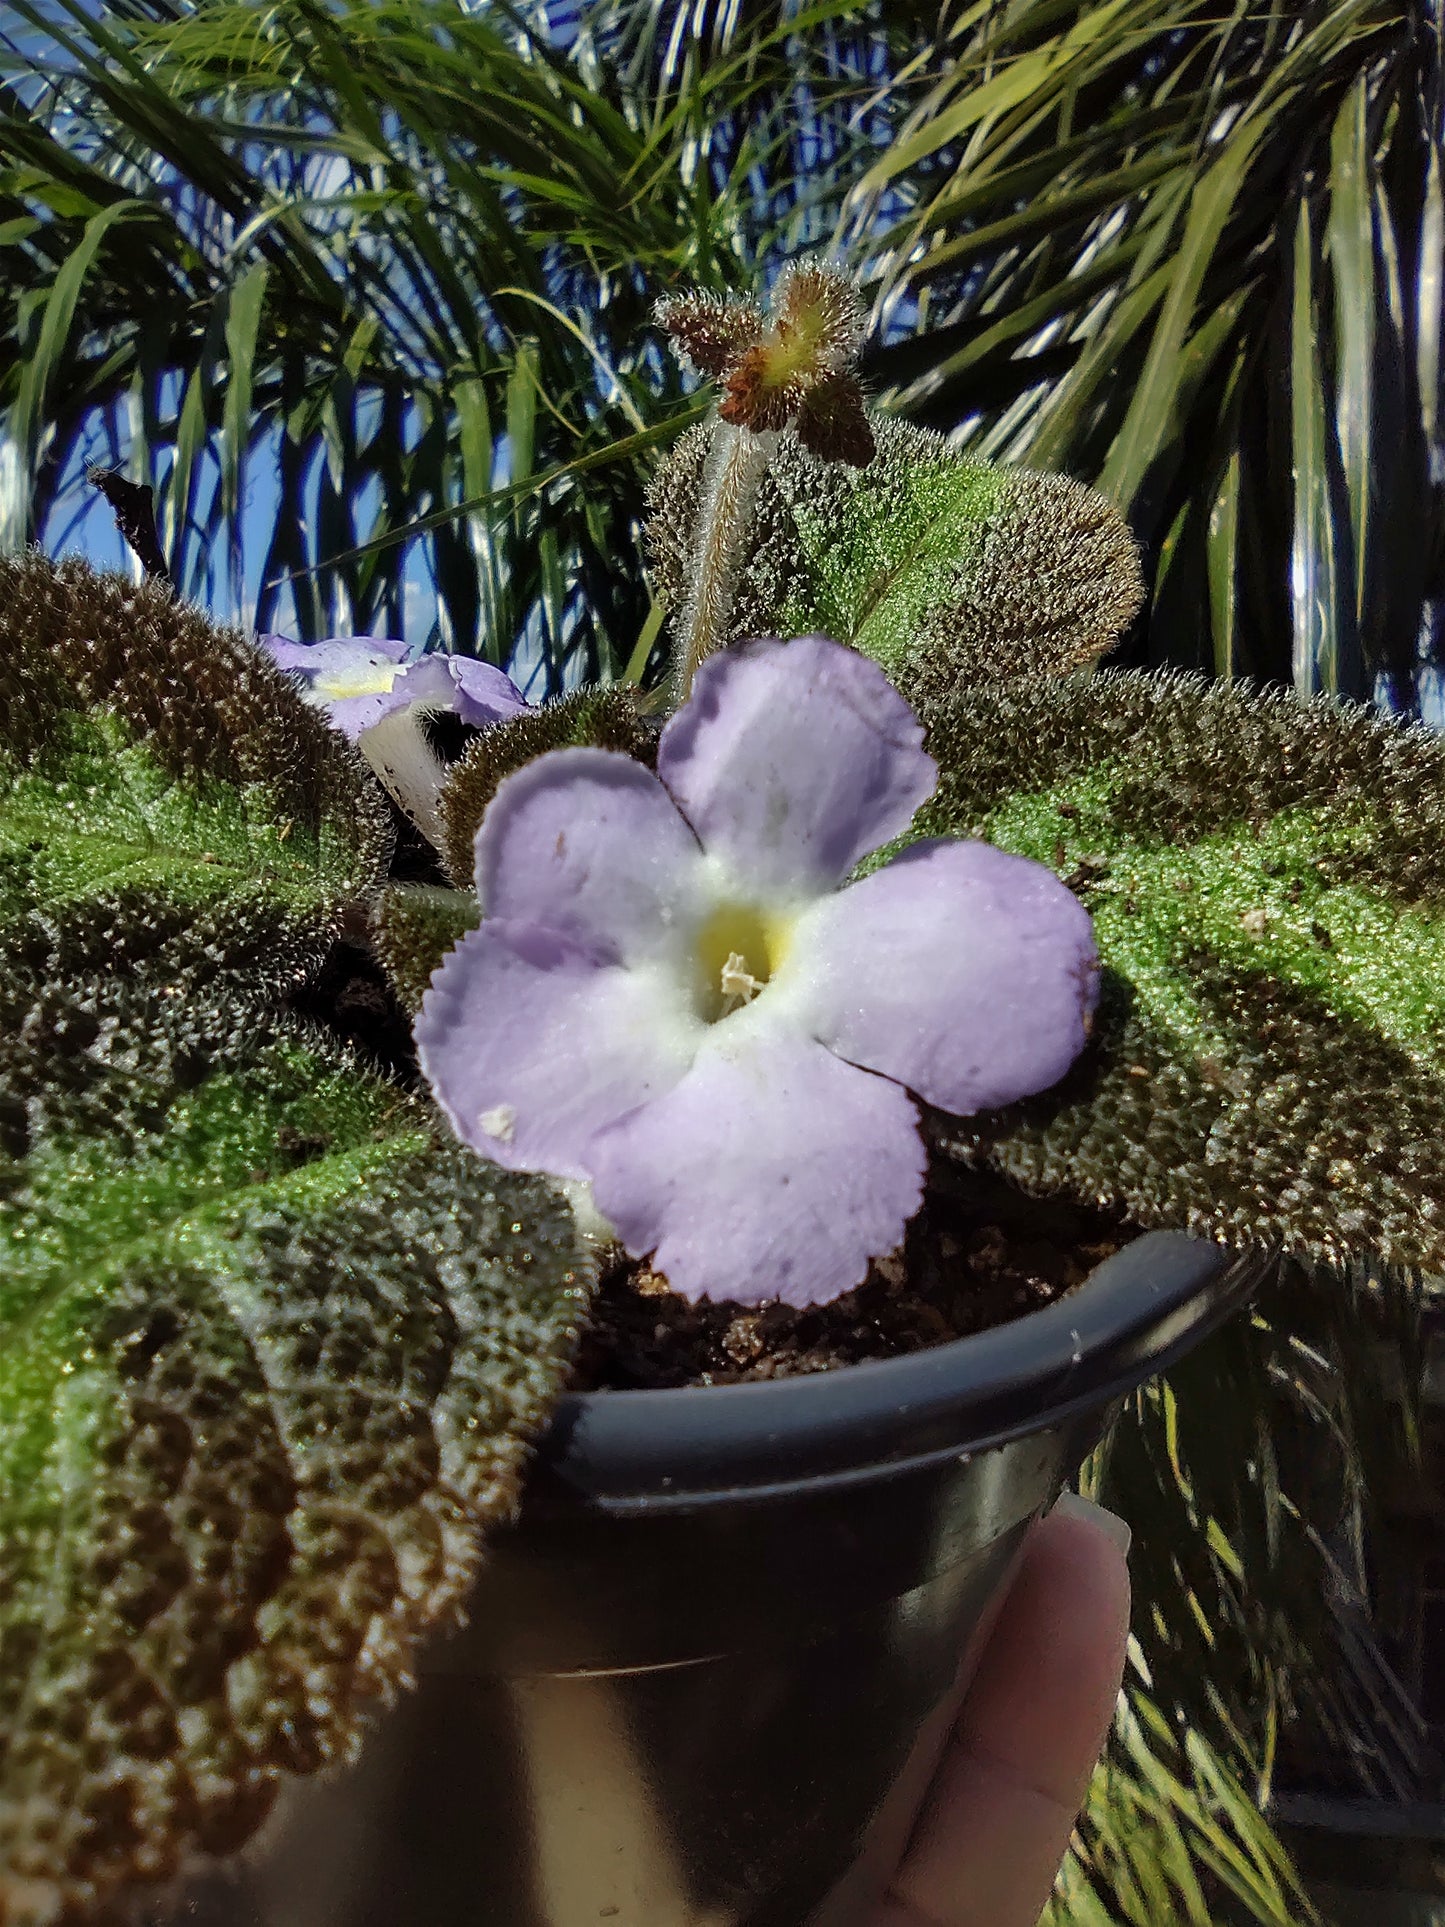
x: 532, y: 1046
x: 484, y: 693
x: 771, y: 1170
x: 707, y: 330
x: 793, y: 760
x: 354, y: 715
x: 353, y: 678
x: 333, y: 655
x: 586, y: 842
x: 967, y: 974
x: 478, y: 692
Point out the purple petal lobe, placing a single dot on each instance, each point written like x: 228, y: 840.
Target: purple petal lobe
x: 353, y: 678
x: 484, y: 695
x: 334, y: 653
x: 478, y: 692
x: 586, y: 842
x: 792, y: 760
x: 532, y: 1047
x: 426, y: 683
x: 354, y: 715
x: 771, y: 1170
x: 967, y: 974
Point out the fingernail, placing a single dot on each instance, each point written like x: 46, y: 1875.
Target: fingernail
x: 1074, y: 1506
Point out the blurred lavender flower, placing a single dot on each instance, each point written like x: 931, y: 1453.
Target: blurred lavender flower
x: 672, y: 998
x: 378, y: 700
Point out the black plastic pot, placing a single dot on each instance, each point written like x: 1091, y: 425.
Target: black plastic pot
x: 708, y: 1672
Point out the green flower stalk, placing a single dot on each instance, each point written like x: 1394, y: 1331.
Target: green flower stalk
x: 795, y: 371
x: 736, y: 464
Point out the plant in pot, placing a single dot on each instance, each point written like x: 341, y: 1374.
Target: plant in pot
x: 876, y: 1050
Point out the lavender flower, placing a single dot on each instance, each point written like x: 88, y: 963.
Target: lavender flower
x: 672, y: 999
x: 378, y: 700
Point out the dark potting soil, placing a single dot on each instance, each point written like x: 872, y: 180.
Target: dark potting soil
x: 977, y: 1255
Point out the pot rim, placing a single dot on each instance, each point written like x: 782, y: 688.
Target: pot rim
x: 1133, y: 1316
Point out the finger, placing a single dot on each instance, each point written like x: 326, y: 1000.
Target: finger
x: 997, y: 1819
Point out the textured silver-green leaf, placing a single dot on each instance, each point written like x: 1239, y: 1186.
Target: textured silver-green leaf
x: 273, y: 1354
x: 413, y: 926
x: 944, y: 570
x: 168, y: 804
x: 1267, y: 881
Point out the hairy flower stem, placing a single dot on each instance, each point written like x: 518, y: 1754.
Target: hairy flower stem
x: 408, y: 768
x: 736, y: 464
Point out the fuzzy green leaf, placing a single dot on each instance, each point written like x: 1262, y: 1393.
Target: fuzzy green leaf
x: 943, y: 570
x: 273, y: 1356
x: 413, y: 926
x: 108, y: 861
x: 168, y: 804
x: 1267, y: 880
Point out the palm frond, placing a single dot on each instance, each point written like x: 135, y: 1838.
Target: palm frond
x: 1193, y: 254
x: 400, y: 259
x: 1171, y: 1833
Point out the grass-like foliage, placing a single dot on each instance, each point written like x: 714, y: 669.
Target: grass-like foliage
x: 1267, y: 880
x: 944, y: 570
x: 1170, y: 1833
x: 1258, y: 1619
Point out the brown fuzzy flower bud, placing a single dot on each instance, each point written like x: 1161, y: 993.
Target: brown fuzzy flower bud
x: 818, y: 316
x: 833, y: 425
x: 753, y: 398
x: 707, y: 331
x: 795, y: 370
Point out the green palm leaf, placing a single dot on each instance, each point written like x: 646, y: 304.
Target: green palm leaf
x: 402, y: 259
x: 1137, y: 235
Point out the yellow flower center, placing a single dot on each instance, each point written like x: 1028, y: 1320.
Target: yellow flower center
x: 738, y: 950
x: 372, y: 676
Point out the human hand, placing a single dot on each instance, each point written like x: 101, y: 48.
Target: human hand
x: 996, y: 1819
